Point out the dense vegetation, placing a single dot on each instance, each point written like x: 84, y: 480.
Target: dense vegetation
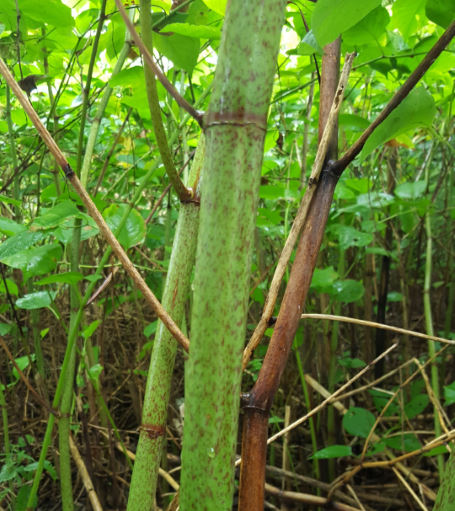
x: 76, y: 332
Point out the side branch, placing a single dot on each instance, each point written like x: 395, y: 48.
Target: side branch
x: 93, y: 211
x: 301, y: 213
x: 154, y: 67
x: 397, y: 98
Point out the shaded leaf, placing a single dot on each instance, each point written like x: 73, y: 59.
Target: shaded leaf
x: 133, y: 232
x: 36, y: 300
x: 333, y: 451
x: 36, y: 260
x: 347, y: 291
x: 441, y: 12
x: 358, y: 421
x: 417, y: 109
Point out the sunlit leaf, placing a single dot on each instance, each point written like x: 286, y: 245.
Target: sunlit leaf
x: 333, y: 17
x: 218, y: 6
x: 417, y: 109
x: 197, y: 31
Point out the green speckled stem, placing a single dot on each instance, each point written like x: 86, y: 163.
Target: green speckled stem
x: 154, y: 414
x: 235, y: 129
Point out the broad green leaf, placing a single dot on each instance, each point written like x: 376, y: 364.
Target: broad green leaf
x: 417, y: 405
x: 133, y: 232
x: 411, y: 191
x: 333, y: 451
x: 440, y: 449
x: 368, y: 30
x: 353, y: 122
x: 404, y: 16
x: 333, y: 17
x: 182, y: 50
x: 54, y: 216
x: 36, y: 300
x: 441, y: 12
x: 52, y: 12
x: 358, y: 421
x: 417, y: 109
x: 323, y: 279
x: 131, y: 77
x: 12, y: 287
x: 9, y: 200
x: 197, y: 31
x: 347, y: 291
x: 18, y: 243
x: 406, y: 442
x: 10, y: 227
x: 5, y: 328
x: 64, y: 232
x: 35, y: 260
x: 350, y: 237
x: 449, y: 394
x: 309, y: 45
x: 218, y: 6
x: 200, y: 14
x: 70, y: 277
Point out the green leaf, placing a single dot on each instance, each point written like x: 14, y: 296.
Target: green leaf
x: 218, y: 6
x: 21, y: 500
x: 197, y: 31
x: 182, y: 50
x: 441, y: 12
x: 417, y: 405
x: 10, y: 227
x: 35, y: 300
x: 323, y: 279
x: 411, y: 191
x: 95, y: 371
x: 333, y: 451
x: 5, y: 328
x: 368, y: 30
x: 406, y: 442
x: 69, y: 277
x: 449, y: 394
x: 12, y: 287
x: 347, y: 291
x: 417, y: 109
x: 404, y: 17
x: 358, y: 421
x: 350, y: 237
x: 18, y: 243
x: 54, y: 216
x: 36, y: 260
x: 88, y: 332
x: 133, y: 232
x: 440, y: 449
x: 333, y: 17
x: 52, y: 12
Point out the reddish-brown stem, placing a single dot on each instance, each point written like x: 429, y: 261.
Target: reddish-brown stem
x: 329, y: 83
x: 259, y: 400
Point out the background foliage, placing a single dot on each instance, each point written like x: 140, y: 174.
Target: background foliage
x: 397, y: 197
